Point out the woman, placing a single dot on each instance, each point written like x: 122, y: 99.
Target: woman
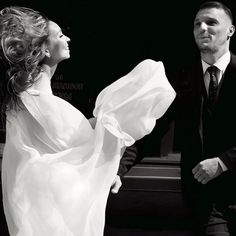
x: 57, y: 170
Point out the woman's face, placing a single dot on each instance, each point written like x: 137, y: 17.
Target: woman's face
x: 57, y: 44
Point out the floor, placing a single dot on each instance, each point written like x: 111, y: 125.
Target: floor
x: 147, y: 232
x: 132, y: 211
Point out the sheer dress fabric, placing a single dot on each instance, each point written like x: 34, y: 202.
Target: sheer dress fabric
x: 57, y: 171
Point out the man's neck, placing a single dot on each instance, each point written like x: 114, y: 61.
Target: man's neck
x: 210, y: 58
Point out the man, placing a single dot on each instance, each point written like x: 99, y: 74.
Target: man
x: 128, y: 160
x: 205, y: 103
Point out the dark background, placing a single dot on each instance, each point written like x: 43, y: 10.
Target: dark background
x: 109, y: 38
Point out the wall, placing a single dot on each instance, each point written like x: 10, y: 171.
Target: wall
x: 109, y: 38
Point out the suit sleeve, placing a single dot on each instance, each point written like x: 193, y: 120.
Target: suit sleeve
x: 229, y: 159
x: 128, y: 160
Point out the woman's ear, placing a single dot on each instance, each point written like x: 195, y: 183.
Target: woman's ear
x: 47, y: 53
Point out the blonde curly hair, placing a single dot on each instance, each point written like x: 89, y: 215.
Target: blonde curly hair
x: 23, y: 32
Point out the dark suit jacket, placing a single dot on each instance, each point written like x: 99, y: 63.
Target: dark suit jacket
x: 196, y: 145
x: 128, y: 159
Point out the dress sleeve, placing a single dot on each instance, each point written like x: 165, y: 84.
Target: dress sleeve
x: 130, y: 106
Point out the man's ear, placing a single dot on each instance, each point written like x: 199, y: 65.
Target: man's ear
x: 231, y: 31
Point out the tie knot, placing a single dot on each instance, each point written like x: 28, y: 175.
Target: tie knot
x: 214, y: 73
x: 213, y: 70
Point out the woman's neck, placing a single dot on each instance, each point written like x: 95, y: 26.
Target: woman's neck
x: 50, y: 70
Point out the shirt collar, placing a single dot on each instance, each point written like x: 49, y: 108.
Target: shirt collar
x: 221, y: 63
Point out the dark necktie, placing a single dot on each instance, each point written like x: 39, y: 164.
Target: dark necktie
x: 213, y: 85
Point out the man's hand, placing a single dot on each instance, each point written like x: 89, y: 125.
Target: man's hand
x: 116, y: 185
x: 207, y: 170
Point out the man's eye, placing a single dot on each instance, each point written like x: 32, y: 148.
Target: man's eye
x: 211, y: 22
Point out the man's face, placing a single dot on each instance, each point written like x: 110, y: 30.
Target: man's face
x: 212, y: 29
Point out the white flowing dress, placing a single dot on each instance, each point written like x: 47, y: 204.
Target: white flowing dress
x: 57, y: 171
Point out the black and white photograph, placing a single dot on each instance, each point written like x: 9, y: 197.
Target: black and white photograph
x: 117, y: 118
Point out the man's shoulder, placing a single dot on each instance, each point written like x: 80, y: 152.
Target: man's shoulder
x: 233, y: 61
